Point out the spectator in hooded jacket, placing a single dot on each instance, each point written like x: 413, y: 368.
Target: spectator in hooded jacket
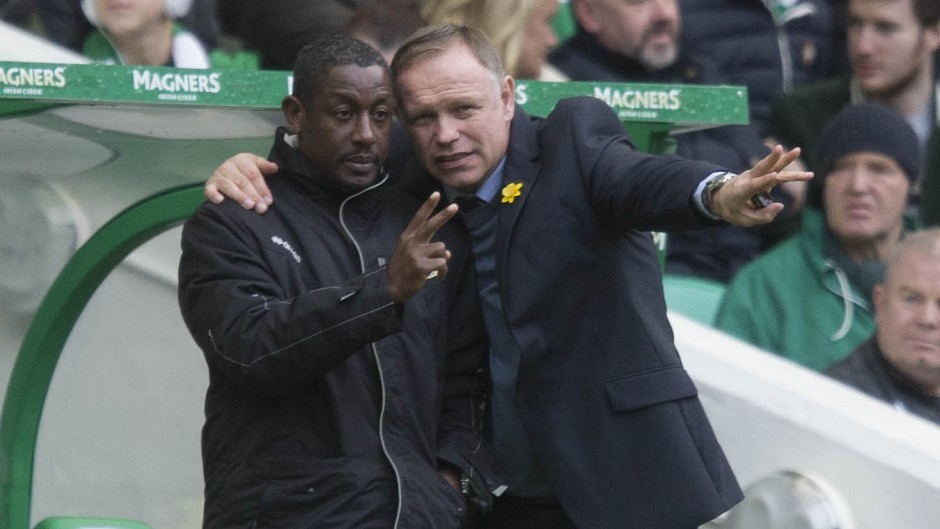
x: 809, y: 298
x: 901, y: 363
x: 345, y: 345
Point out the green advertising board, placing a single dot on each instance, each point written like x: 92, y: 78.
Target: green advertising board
x: 645, y: 109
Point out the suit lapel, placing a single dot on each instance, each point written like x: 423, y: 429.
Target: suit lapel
x: 522, y: 167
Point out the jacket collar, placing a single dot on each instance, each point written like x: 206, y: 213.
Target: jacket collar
x: 832, y: 276
x: 856, y: 96
x: 583, y: 57
x: 522, y: 150
x: 812, y: 226
x: 293, y: 166
x: 522, y: 167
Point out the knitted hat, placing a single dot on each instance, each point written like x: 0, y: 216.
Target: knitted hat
x: 865, y: 127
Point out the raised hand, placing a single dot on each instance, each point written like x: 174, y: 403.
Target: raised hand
x: 241, y: 178
x: 416, y: 259
x: 735, y: 203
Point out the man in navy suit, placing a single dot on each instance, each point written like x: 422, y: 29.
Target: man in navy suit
x: 595, y: 422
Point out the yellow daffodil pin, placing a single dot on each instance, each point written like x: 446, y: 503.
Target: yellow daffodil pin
x: 511, y: 191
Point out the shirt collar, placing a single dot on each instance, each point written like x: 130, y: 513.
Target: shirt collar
x: 488, y: 190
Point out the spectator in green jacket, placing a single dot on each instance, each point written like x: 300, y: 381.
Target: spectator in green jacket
x: 809, y: 298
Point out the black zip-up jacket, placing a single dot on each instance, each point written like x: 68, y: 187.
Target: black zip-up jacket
x: 328, y: 404
x: 867, y: 370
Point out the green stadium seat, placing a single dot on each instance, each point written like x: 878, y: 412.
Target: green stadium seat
x: 693, y: 297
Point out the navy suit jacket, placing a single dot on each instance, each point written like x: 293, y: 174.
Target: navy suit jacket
x: 613, y: 416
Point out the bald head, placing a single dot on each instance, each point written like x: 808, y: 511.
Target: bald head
x: 907, y: 310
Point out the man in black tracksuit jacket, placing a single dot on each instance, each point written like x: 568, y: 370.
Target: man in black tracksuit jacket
x: 337, y: 397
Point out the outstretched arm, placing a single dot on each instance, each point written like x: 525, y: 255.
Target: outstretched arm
x: 241, y: 178
x: 734, y: 202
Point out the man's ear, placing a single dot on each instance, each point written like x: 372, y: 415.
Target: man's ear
x: 294, y: 113
x: 932, y: 34
x: 585, y: 15
x: 507, y: 94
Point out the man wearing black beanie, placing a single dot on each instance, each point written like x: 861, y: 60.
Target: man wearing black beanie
x: 809, y: 298
x: 863, y: 127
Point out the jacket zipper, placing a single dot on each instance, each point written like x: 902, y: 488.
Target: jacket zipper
x: 375, y: 352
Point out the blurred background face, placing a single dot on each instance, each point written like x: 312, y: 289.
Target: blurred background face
x: 387, y: 53
x: 888, y: 47
x: 539, y: 40
x: 907, y: 311
x: 457, y: 113
x: 384, y: 24
x: 344, y: 129
x: 128, y: 17
x: 645, y: 30
x: 864, y: 196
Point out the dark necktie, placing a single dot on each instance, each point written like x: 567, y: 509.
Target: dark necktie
x: 468, y: 203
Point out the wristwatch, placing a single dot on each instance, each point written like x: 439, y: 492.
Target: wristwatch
x: 712, y: 187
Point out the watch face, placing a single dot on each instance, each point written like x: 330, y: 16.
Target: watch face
x: 713, y: 186
x: 716, y: 184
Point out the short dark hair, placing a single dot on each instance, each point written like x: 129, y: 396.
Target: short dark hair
x: 927, y: 11
x: 316, y: 59
x: 434, y: 40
